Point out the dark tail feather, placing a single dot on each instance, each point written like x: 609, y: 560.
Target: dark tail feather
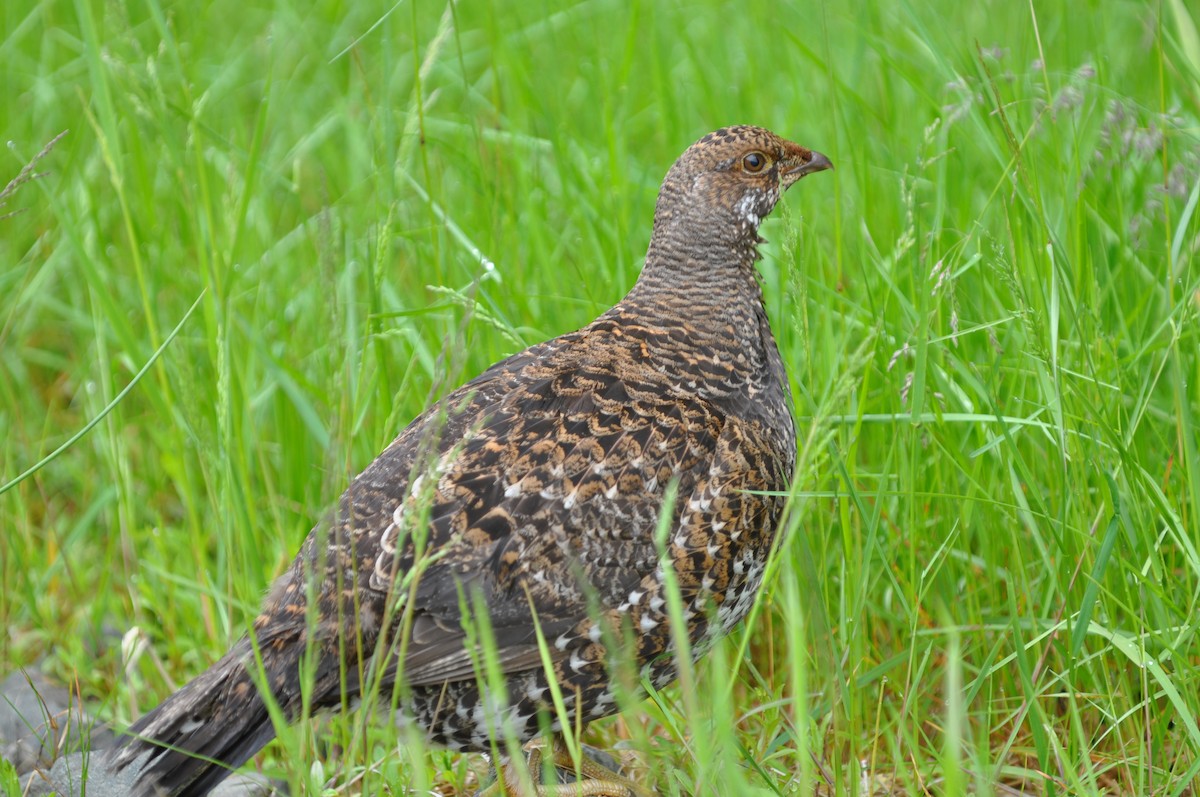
x: 210, y: 727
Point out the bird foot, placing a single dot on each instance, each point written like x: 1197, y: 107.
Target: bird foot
x: 592, y: 779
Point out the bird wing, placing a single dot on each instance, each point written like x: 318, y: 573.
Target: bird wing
x: 547, y: 498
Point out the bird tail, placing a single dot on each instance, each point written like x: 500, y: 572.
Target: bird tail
x: 210, y: 727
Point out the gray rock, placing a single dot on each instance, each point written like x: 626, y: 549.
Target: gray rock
x: 40, y: 721
x: 57, y: 746
x: 69, y: 773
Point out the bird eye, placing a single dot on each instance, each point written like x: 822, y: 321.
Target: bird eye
x: 754, y: 162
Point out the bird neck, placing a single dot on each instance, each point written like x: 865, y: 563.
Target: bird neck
x: 704, y: 304
x: 705, y: 301
x: 701, y: 273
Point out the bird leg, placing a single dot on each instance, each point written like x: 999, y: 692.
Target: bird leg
x: 596, y: 780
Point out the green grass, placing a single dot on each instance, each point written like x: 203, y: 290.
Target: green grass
x: 991, y: 311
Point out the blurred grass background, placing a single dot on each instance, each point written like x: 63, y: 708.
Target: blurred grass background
x: 990, y: 311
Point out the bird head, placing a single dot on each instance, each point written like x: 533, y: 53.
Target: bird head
x: 731, y: 180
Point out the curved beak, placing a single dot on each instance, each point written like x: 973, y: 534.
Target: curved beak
x: 816, y: 163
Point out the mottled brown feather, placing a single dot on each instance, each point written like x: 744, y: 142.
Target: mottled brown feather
x: 536, y: 489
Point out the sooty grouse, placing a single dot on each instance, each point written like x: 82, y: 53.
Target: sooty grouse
x: 533, y: 493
